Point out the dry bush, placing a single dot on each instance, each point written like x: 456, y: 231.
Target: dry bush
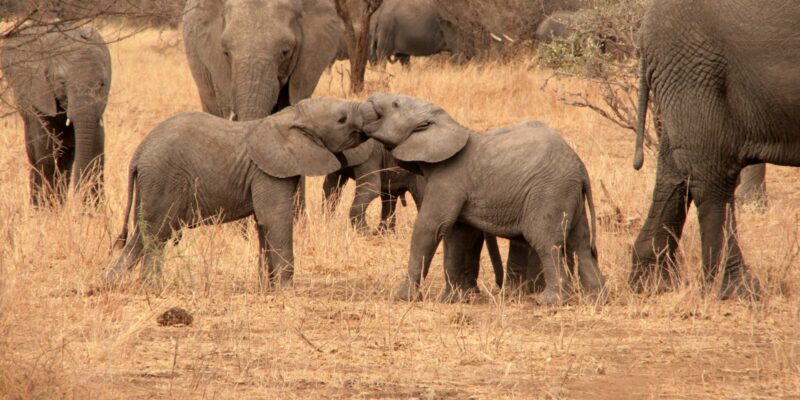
x: 338, y: 334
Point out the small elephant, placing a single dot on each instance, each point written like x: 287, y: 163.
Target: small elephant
x: 194, y: 167
x: 522, y: 182
x: 61, y: 81
x: 379, y: 175
x: 560, y: 24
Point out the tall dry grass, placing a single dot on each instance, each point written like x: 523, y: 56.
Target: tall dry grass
x: 338, y: 334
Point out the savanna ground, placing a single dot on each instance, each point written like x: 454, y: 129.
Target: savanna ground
x: 338, y: 334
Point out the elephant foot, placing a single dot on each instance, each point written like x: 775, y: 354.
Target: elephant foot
x: 458, y: 295
x: 552, y: 297
x: 407, y: 292
x: 285, y: 282
x: 650, y: 281
x: 741, y: 285
x: 362, y: 230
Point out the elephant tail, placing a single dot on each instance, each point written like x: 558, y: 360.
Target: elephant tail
x: 587, y: 192
x: 123, y: 236
x: 641, y: 123
x: 494, y: 256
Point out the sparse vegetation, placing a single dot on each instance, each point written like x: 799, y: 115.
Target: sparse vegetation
x: 337, y: 334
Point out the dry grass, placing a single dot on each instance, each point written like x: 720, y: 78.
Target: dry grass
x: 337, y: 335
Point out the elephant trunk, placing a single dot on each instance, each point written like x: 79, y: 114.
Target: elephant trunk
x: 644, y: 99
x: 88, y: 165
x: 256, y: 88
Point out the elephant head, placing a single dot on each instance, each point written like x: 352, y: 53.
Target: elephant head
x: 272, y: 52
x: 414, y: 129
x: 309, y: 137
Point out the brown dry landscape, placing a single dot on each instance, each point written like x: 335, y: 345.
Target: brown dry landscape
x: 338, y: 333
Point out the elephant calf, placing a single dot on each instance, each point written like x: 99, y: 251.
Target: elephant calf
x: 522, y: 182
x: 378, y: 175
x: 195, y: 168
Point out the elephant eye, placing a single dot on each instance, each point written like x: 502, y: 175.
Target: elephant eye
x: 395, y: 105
x: 423, y: 126
x: 285, y: 53
x: 343, y: 119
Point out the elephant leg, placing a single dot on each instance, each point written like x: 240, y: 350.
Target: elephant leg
x: 558, y: 286
x: 655, y: 246
x: 273, y: 207
x: 152, y: 262
x: 131, y: 253
x: 263, y: 258
x: 332, y: 190
x: 720, y: 248
x: 435, y: 219
x: 64, y: 164
x: 300, y: 198
x: 388, y: 210
x: 592, y: 282
x: 40, y: 149
x: 368, y: 187
x: 524, y: 268
x: 405, y: 61
x: 752, y: 185
x: 460, y: 264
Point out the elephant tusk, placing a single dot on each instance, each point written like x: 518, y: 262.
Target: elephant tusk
x: 508, y: 38
x: 68, y: 121
x: 100, y: 123
x: 232, y: 117
x: 495, y: 37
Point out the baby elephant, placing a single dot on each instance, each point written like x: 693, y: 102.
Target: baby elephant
x: 522, y: 182
x: 195, y: 168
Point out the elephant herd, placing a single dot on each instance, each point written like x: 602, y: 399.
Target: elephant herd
x: 726, y: 95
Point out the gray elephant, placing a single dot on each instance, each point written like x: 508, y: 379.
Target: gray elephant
x: 404, y: 28
x: 61, y: 82
x: 727, y: 95
x: 255, y: 57
x: 559, y: 24
x: 378, y: 176
x: 545, y: 186
x: 194, y: 167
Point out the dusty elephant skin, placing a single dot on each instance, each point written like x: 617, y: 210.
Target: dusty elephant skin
x: 61, y: 82
x: 195, y: 169
x: 728, y: 95
x: 545, y: 186
x: 405, y: 28
x: 378, y: 176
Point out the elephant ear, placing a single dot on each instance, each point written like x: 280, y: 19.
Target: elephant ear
x: 32, y: 87
x: 360, y: 154
x: 283, y: 153
x: 437, y: 143
x: 203, y: 24
x: 321, y: 31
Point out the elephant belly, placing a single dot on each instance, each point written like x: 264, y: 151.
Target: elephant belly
x: 495, y: 218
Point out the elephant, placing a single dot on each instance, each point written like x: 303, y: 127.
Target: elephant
x: 559, y: 24
x: 405, y: 28
x: 61, y: 81
x: 727, y: 96
x: 378, y: 176
x: 545, y: 187
x: 196, y: 168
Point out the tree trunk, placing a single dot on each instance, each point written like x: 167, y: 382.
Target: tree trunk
x: 357, y: 46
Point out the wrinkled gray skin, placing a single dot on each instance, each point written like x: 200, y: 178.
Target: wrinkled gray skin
x: 195, y: 168
x: 379, y: 176
x: 404, y: 28
x: 542, y: 202
x: 61, y: 82
x: 728, y: 96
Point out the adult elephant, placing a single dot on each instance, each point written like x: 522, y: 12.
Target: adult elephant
x: 728, y: 94
x: 251, y: 58
x: 61, y: 81
x: 405, y: 28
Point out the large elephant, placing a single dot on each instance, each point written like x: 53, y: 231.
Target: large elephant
x: 727, y: 92
x: 404, y: 28
x: 545, y: 188
x: 195, y: 168
x: 61, y: 81
x: 255, y: 57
